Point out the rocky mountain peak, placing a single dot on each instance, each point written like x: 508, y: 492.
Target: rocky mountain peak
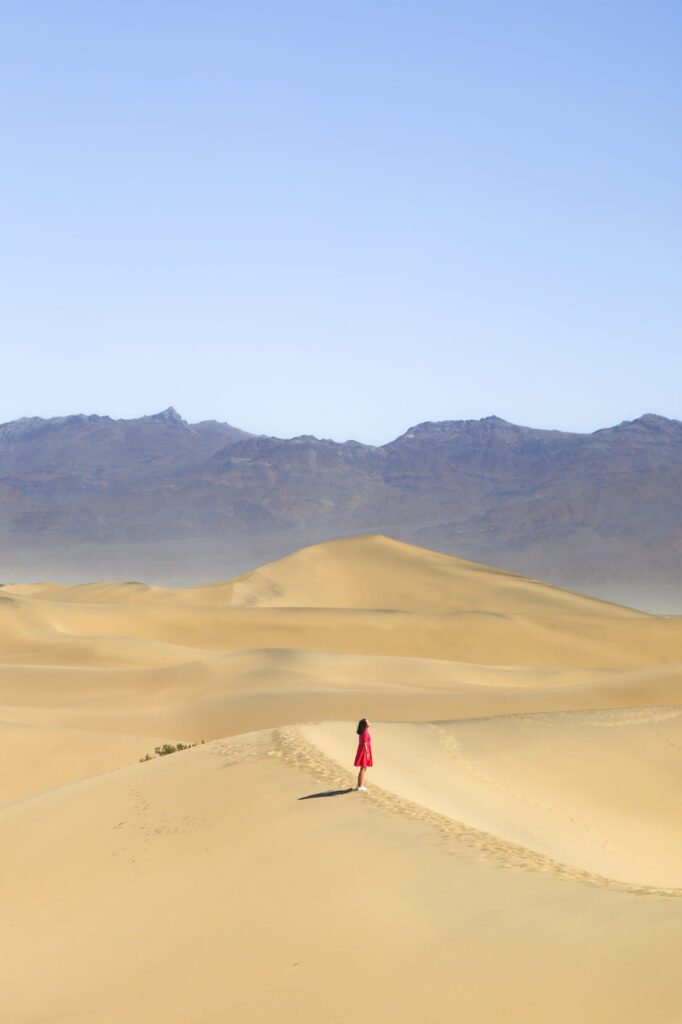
x: 169, y: 415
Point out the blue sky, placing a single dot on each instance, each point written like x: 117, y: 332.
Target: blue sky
x: 342, y: 218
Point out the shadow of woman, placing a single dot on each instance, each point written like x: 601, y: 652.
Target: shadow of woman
x: 329, y: 792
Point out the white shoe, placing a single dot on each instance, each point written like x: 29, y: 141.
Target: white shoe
x: 361, y: 789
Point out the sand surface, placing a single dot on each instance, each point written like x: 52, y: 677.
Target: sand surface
x: 517, y: 856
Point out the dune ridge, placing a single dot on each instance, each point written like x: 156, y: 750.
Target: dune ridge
x: 412, y: 633
x: 434, y: 795
x: 525, y: 791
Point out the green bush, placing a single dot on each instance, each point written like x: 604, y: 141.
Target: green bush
x: 168, y: 748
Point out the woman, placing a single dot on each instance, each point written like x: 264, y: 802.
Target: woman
x: 363, y: 758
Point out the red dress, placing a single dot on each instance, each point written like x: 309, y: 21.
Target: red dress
x: 363, y: 758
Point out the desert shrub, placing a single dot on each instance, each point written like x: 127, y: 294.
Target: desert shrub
x: 168, y: 748
x: 171, y: 748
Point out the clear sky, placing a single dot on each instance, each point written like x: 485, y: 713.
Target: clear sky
x: 342, y: 218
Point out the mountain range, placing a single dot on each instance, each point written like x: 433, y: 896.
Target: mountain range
x: 161, y: 499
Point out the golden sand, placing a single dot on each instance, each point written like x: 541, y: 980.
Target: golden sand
x: 516, y: 857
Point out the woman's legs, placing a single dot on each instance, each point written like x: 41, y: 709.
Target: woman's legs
x: 361, y: 776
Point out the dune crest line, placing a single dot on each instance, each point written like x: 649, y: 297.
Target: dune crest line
x: 298, y: 752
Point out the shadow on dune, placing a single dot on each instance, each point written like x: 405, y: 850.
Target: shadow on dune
x: 328, y: 792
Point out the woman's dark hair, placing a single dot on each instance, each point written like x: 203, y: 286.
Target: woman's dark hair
x: 362, y: 725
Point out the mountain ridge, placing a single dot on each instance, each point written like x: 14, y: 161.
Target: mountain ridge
x: 583, y: 510
x: 484, y: 425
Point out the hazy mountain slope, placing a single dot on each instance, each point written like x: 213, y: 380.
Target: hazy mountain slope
x: 161, y: 499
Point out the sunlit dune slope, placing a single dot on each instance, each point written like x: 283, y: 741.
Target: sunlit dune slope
x: 221, y: 883
x: 366, y: 572
x: 584, y: 793
x: 367, y: 595
x: 40, y: 751
x: 377, y: 572
x: 360, y: 626
x: 517, y: 852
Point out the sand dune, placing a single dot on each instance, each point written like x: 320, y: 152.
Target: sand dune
x: 379, y: 572
x: 518, y: 848
x: 220, y: 883
x: 411, y: 634
x: 370, y: 572
x: 563, y: 791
